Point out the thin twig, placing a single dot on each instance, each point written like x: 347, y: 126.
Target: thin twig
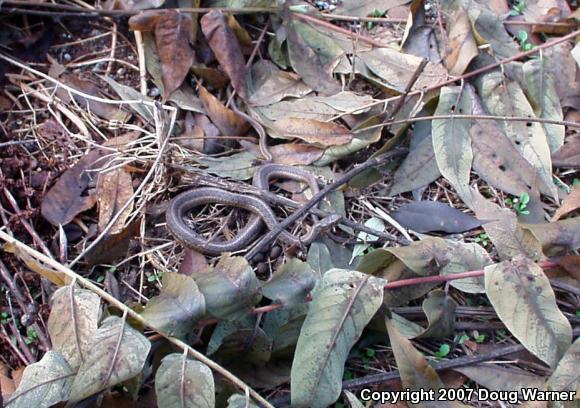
x: 134, y: 315
x: 469, y: 117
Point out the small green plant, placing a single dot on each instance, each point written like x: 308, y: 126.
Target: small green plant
x: 463, y: 338
x: 576, y: 182
x: 480, y: 338
x: 443, y: 351
x: 518, y: 8
x: 519, y: 204
x: 375, y: 13
x: 522, y: 38
x: 4, y: 317
x: 31, y: 336
x: 154, y: 277
x: 482, y: 239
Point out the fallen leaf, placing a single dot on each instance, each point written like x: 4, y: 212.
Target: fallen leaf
x: 325, y: 340
x: 44, y: 383
x: 240, y: 401
x: 294, y: 154
x: 231, y: 289
x: 291, y: 283
x: 128, y: 93
x: 177, y: 307
x: 117, y: 353
x: 173, y: 33
x: 429, y: 216
x: 396, y: 69
x: 569, y: 154
x: 180, y: 381
x: 364, y: 8
x: 226, y: 48
x: 212, y: 76
x: 461, y: 43
x: 44, y: 270
x: 242, y: 341
x: 313, y: 56
x: 322, y: 134
x: 114, y: 190
x: 570, y: 203
x: 416, y: 373
x: 525, y: 302
x: 7, y: 385
x: 73, y: 321
x: 564, y: 69
x: 271, y: 85
x: 419, y: 167
x: 440, y: 311
x: 565, y: 376
x: 114, y: 246
x: 65, y: 200
x: 542, y: 92
x: 557, y: 237
x: 503, y: 96
x: 239, y: 166
x: 451, y: 138
x: 497, y: 378
x: 226, y: 120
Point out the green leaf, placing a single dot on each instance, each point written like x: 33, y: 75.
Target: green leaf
x: 73, y: 321
x: 240, y: 401
x: 291, y: 283
x: 117, y: 353
x: 451, y: 138
x: 525, y: 302
x: 177, y: 307
x: 44, y: 383
x: 342, y: 305
x: 443, y: 351
x: 231, y: 289
x: 184, y: 383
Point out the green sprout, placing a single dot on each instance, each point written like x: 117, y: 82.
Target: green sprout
x: 463, y: 338
x: 518, y: 8
x: 443, y: 351
x: 519, y: 204
x: 31, y: 336
x: 4, y: 317
x: 375, y: 13
x: 522, y: 38
x: 482, y: 239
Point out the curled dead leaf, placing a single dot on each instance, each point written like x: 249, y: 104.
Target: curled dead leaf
x: 313, y: 131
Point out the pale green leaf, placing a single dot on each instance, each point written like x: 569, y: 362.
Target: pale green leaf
x: 72, y: 322
x: 44, y: 383
x: 291, y: 283
x: 525, y: 302
x: 342, y: 305
x: 117, y: 353
x: 184, y: 383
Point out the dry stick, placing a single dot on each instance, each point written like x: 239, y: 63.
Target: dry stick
x: 274, y: 232
x: 330, y: 26
x: 136, y: 316
x: 211, y: 181
x: 399, y: 284
x: 485, y: 117
x: 22, y: 302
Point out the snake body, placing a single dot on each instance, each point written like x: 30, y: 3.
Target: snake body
x: 184, y: 202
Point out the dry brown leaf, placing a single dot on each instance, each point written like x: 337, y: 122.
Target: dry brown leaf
x: 173, y: 36
x: 113, y: 246
x: 569, y: 154
x: 570, y: 203
x: 65, y: 200
x: 571, y: 264
x: 295, y: 154
x: 313, y: 131
x: 144, y: 20
x: 226, y: 120
x: 56, y: 277
x: 461, y: 43
x: 114, y: 190
x: 193, y: 263
x: 226, y: 48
